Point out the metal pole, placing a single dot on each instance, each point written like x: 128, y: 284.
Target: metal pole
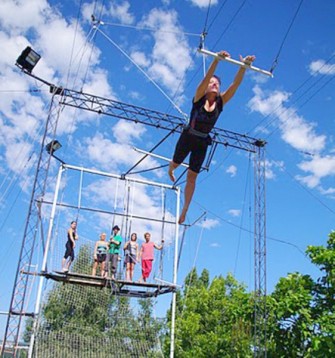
x: 44, y: 263
x: 235, y: 62
x: 175, y: 271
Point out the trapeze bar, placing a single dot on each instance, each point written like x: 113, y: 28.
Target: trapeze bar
x: 157, y: 156
x: 235, y: 62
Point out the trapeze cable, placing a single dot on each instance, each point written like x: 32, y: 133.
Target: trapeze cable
x: 90, y: 36
x: 235, y: 62
x: 293, y: 92
x: 183, y: 237
x: 131, y: 210
x: 163, y: 190
x: 147, y: 28
x: 203, y: 36
x: 73, y: 43
x: 275, y: 62
x: 126, y: 207
x: 243, y: 211
x: 144, y: 73
x: 115, y: 200
x: 198, y: 246
x: 79, y: 194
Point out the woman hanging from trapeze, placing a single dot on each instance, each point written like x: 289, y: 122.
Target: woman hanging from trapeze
x: 206, y: 107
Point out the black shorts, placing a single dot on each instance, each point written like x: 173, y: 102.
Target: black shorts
x: 69, y: 252
x: 101, y: 258
x: 129, y: 259
x: 190, y: 143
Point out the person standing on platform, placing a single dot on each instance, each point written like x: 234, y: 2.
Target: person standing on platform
x: 147, y: 255
x: 132, y: 256
x: 100, y: 254
x: 72, y: 236
x: 113, y: 253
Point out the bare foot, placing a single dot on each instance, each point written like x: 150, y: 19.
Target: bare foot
x: 171, y: 175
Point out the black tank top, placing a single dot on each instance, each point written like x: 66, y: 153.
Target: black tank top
x: 204, y: 121
x: 69, y: 237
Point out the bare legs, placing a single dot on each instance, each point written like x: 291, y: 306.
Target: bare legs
x: 189, y: 188
x: 172, y: 167
x: 66, y: 263
x: 94, y: 269
x: 130, y: 271
x: 96, y: 265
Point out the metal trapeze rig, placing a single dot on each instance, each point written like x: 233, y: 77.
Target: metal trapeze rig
x: 65, y: 97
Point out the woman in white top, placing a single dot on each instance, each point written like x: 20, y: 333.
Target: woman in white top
x: 132, y: 257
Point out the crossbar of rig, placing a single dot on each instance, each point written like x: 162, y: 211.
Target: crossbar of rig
x: 110, y: 107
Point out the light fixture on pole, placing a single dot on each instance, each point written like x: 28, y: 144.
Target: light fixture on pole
x: 52, y: 147
x: 28, y: 59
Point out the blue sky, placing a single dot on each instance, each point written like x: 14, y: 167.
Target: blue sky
x: 293, y: 112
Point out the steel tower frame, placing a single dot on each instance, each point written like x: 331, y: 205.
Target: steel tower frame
x: 105, y: 106
x: 22, y: 282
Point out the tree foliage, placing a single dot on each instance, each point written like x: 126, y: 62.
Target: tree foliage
x: 213, y: 319
x: 302, y: 315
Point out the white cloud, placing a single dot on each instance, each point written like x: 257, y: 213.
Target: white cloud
x: 140, y: 58
x: 270, y: 166
x: 319, y: 167
x: 232, y: 170
x: 171, y: 56
x: 322, y: 68
x: 60, y: 43
x: 203, y: 3
x: 215, y: 244
x: 295, y: 130
x: 234, y: 212
x: 111, y: 155
x: 209, y: 223
x: 121, y: 12
x: 126, y: 131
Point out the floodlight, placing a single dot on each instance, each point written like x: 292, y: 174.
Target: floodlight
x: 28, y: 59
x: 53, y: 146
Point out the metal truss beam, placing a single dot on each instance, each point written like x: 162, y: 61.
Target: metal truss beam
x: 109, y: 107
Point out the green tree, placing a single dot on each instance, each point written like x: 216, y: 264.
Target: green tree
x: 302, y: 316
x: 213, y: 318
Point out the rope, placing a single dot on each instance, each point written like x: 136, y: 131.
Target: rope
x: 149, y: 29
x: 115, y: 200
x: 242, y: 216
x: 160, y: 275
x: 79, y: 195
x: 144, y: 73
x: 275, y: 62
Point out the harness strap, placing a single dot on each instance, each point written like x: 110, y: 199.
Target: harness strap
x: 193, y: 131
